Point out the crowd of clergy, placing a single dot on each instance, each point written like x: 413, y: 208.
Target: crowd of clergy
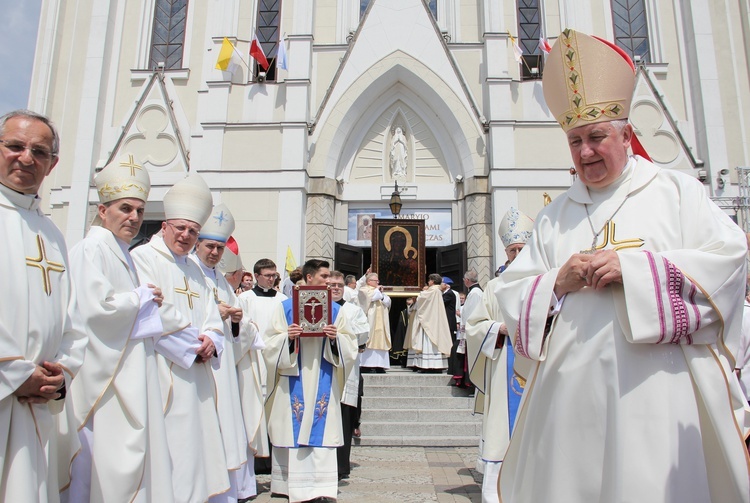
x: 604, y: 373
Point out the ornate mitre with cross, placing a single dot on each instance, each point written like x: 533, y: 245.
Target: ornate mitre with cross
x: 189, y: 199
x: 587, y: 80
x: 220, y: 225
x: 122, y: 178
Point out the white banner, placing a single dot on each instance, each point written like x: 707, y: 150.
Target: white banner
x: 437, y: 225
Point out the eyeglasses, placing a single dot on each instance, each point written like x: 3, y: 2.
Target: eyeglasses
x: 268, y: 276
x: 336, y: 285
x: 40, y: 154
x: 180, y: 229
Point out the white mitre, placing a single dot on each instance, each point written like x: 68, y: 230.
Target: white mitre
x: 121, y: 178
x: 189, y: 199
x: 231, y: 260
x: 515, y: 227
x: 220, y: 225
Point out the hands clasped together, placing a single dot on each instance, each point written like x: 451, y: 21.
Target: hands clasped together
x: 596, y: 270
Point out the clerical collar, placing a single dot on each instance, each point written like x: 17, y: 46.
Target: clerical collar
x: 263, y: 292
x: 179, y: 259
x: 340, y: 302
x: 25, y: 201
x: 209, y: 271
x: 475, y: 285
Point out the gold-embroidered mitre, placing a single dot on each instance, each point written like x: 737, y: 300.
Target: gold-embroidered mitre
x: 587, y: 80
x: 121, y: 178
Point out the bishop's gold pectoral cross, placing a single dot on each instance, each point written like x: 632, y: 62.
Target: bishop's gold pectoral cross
x: 188, y: 293
x: 46, y: 269
x: 609, y: 239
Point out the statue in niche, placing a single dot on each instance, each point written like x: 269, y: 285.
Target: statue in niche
x: 399, y: 154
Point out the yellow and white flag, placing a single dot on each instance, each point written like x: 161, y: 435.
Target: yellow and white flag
x: 229, y: 60
x: 291, y: 264
x: 517, y: 51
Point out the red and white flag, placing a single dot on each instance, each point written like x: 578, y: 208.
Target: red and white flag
x: 543, y: 44
x: 256, y: 52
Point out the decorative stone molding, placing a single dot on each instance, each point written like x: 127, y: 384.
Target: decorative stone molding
x: 319, y: 241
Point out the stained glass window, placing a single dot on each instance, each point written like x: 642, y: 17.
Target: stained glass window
x: 168, y: 35
x: 631, y: 28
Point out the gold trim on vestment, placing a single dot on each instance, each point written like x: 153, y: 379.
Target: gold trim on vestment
x: 51, y: 266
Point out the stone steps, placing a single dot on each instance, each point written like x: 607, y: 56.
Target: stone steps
x: 403, y: 408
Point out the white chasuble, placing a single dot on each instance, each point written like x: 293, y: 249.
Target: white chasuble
x: 117, y: 387
x: 428, y: 337
x: 630, y: 400
x: 303, y: 404
x: 227, y: 387
x: 188, y: 394
x: 37, y: 441
x: 251, y: 369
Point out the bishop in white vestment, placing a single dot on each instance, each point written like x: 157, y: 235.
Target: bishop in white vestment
x: 191, y: 343
x: 628, y: 296
x: 209, y: 252
x: 491, y: 360
x: 117, y: 400
x: 41, y: 347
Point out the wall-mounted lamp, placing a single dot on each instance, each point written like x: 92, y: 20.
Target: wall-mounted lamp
x: 459, y: 178
x: 395, y: 202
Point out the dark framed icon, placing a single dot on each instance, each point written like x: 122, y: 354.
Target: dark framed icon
x: 311, y: 309
x: 398, y: 254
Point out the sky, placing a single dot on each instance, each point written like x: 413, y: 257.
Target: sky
x: 17, y: 44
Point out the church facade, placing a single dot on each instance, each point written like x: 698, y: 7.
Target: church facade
x: 440, y: 100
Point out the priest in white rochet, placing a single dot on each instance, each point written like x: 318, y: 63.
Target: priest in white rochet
x: 304, y: 397
x: 191, y: 344
x: 209, y: 252
x: 628, y: 297
x: 41, y: 348
x: 491, y: 360
x: 258, y: 305
x: 117, y: 401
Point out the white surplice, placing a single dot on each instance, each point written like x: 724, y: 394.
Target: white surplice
x: 631, y: 399
x: 117, y: 387
x: 359, y: 325
x: 227, y: 389
x: 188, y: 394
x: 35, y: 326
x: 303, y: 405
x: 251, y: 368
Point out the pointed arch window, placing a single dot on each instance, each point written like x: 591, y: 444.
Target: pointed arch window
x: 168, y: 34
x: 529, y: 29
x: 432, y: 4
x: 269, y: 35
x: 631, y: 28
